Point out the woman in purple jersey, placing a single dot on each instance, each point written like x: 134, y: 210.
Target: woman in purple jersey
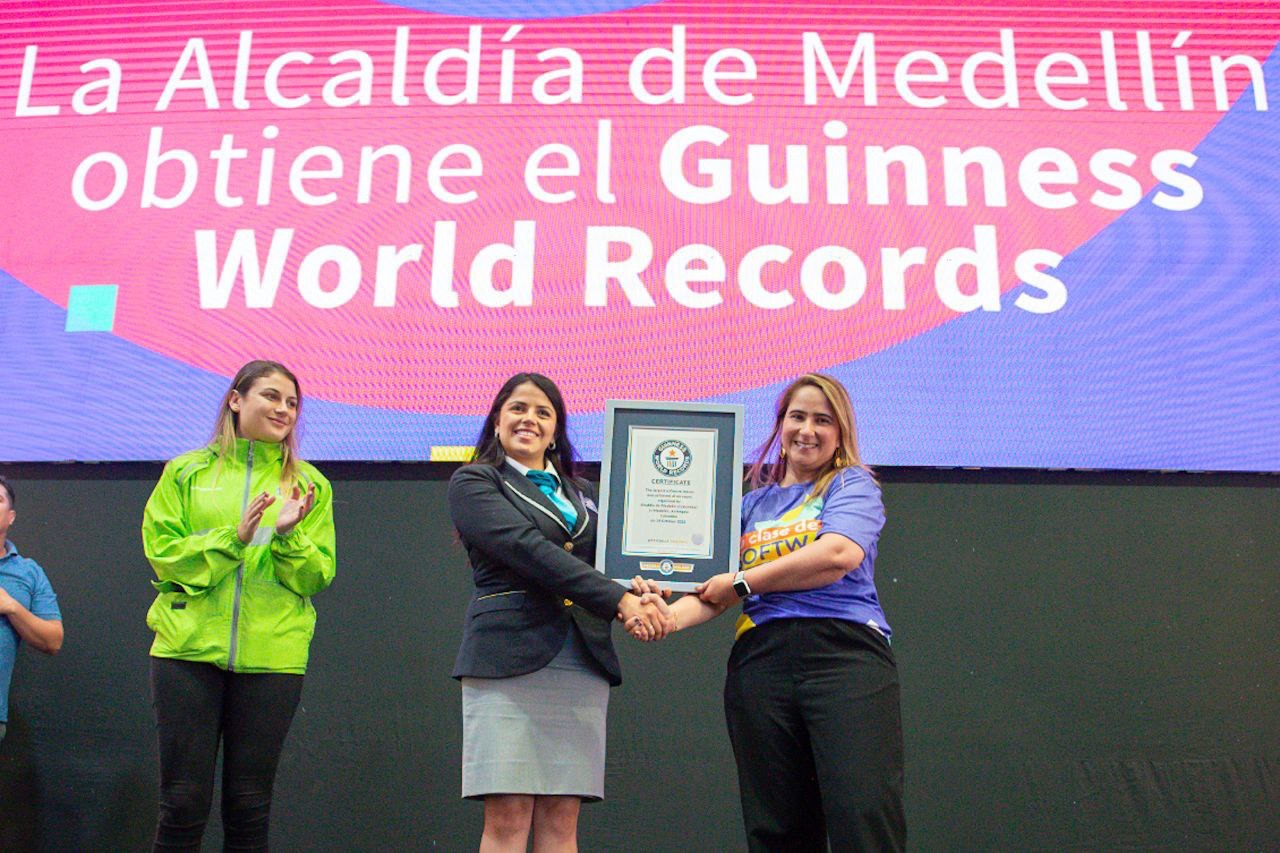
x: 811, y: 695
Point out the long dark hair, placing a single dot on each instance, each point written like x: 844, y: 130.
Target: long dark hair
x: 489, y: 450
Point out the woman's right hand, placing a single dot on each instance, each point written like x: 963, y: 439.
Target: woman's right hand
x: 253, y: 517
x: 668, y: 623
x: 646, y: 617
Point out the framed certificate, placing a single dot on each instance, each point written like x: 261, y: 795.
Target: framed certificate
x: 670, y: 491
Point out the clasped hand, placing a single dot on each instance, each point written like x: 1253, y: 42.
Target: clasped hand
x: 718, y: 590
x: 294, y: 510
x: 645, y: 615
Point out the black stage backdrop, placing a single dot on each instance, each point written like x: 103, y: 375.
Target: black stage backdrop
x: 1089, y: 661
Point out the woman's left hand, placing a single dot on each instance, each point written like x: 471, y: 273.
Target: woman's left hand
x: 295, y: 509
x: 718, y: 590
x: 641, y: 585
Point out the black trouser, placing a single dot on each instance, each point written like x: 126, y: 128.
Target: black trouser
x: 813, y: 713
x: 195, y: 705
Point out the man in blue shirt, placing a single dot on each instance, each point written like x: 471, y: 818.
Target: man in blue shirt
x: 28, y: 607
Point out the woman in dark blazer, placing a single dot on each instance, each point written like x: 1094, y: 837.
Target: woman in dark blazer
x: 537, y: 659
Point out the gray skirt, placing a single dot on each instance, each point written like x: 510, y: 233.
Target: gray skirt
x: 541, y: 733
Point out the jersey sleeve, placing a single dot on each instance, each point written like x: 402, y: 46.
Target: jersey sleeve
x: 854, y: 509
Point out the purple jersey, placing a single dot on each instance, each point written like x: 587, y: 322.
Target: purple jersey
x: 777, y: 520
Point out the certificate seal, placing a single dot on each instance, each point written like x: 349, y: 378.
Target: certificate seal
x: 672, y: 457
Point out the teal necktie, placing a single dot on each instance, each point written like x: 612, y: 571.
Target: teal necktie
x: 550, y: 487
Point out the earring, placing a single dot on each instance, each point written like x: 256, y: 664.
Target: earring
x: 552, y: 445
x: 782, y: 452
x: 839, y: 457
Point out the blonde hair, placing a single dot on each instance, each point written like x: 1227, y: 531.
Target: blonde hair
x: 227, y: 422
x: 770, y: 466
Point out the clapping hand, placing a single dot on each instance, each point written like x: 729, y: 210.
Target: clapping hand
x: 295, y: 509
x: 253, y: 517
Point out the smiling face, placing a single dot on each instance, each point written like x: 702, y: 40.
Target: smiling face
x: 809, y: 435
x: 268, y: 410
x: 526, y: 425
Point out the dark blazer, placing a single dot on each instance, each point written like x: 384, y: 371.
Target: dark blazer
x: 528, y: 565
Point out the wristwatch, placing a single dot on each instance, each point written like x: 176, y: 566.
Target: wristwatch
x: 740, y: 585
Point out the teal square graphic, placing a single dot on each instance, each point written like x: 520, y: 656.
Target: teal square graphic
x: 91, y: 308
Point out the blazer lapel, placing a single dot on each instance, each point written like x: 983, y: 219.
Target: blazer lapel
x: 530, y: 498
x: 575, y: 497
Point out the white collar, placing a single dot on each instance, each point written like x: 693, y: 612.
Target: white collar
x: 523, y: 470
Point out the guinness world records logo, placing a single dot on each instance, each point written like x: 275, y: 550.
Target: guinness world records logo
x: 672, y: 457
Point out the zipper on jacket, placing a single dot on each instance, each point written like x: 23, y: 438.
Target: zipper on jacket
x: 235, y: 606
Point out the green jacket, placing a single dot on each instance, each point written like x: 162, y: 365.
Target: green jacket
x: 240, y: 607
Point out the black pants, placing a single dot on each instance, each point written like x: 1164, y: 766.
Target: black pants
x: 814, y: 717
x: 197, y: 704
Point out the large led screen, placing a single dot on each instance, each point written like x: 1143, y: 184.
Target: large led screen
x: 1024, y: 234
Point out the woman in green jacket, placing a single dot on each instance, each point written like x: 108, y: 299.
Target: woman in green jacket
x: 240, y: 534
